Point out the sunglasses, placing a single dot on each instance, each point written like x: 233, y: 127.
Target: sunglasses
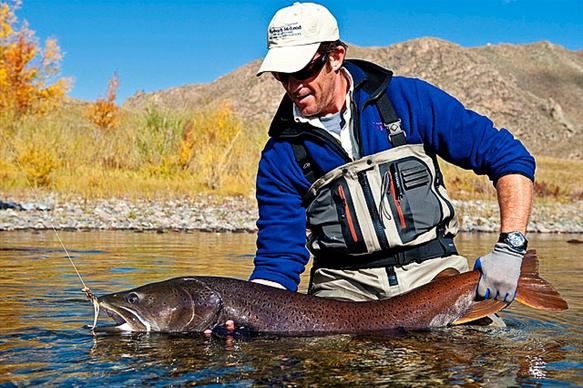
x: 311, y: 70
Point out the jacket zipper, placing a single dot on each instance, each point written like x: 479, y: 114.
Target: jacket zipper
x: 328, y: 139
x: 356, y: 127
x: 324, y: 137
x: 370, y: 204
x: 348, y: 215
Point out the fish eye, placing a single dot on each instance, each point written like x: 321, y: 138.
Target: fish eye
x: 133, y: 298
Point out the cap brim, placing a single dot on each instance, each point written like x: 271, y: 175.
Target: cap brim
x: 288, y: 59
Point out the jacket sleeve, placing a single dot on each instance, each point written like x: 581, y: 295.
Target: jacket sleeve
x: 467, y: 139
x: 281, y: 240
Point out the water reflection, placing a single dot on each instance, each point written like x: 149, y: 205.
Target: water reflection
x: 453, y: 356
x: 44, y: 338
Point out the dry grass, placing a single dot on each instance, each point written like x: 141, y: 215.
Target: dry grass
x: 156, y: 153
x: 556, y: 180
x: 152, y: 153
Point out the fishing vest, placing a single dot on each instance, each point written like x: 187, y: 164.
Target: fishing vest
x: 383, y: 210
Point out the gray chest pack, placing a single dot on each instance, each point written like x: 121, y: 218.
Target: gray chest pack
x: 383, y: 210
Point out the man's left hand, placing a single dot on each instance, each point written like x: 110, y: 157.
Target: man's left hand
x: 500, y: 272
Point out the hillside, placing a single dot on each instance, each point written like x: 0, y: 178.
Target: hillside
x: 534, y: 90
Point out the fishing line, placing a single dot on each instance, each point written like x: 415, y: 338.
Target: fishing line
x: 85, y: 289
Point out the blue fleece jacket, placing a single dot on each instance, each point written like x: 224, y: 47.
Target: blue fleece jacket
x: 429, y: 116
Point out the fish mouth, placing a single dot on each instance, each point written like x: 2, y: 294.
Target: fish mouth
x: 126, y: 320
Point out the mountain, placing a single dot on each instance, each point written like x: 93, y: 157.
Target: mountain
x: 534, y: 90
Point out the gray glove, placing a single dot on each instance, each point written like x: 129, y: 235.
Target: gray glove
x: 500, y: 271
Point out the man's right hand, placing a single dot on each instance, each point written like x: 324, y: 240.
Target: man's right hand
x: 229, y: 325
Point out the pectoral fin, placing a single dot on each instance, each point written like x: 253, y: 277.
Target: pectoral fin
x: 480, y: 309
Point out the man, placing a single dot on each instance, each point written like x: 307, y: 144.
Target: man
x: 352, y: 159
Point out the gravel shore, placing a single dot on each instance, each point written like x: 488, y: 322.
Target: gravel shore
x: 232, y: 214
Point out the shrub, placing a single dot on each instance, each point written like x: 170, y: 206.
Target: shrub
x: 38, y: 164
x: 213, y: 147
x: 103, y: 113
x: 27, y: 70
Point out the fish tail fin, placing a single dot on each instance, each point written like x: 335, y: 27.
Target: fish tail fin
x: 534, y: 291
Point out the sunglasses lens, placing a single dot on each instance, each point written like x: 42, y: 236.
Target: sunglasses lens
x: 281, y: 77
x: 309, y: 71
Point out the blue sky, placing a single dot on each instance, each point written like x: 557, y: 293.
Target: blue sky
x: 159, y: 44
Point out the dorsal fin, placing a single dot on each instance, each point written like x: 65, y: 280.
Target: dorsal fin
x: 446, y: 273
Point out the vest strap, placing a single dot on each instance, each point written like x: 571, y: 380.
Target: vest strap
x: 304, y: 161
x: 391, y: 121
x: 442, y: 246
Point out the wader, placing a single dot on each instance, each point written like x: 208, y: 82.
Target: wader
x: 373, y: 220
x: 381, y: 225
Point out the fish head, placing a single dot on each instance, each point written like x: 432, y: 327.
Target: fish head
x: 175, y: 305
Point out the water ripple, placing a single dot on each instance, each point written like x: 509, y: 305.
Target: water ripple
x: 45, y: 337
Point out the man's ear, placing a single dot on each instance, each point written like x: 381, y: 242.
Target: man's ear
x: 337, y: 57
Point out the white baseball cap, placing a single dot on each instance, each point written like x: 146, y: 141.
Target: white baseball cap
x: 294, y: 35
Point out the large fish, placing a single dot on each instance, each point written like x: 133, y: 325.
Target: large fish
x: 195, y: 304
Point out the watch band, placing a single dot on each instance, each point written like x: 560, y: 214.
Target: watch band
x: 516, y: 240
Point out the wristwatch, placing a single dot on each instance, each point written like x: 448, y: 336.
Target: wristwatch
x: 515, y: 240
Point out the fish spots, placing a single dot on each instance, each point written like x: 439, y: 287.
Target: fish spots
x: 197, y: 303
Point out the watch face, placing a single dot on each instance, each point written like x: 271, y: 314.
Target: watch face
x: 516, y: 240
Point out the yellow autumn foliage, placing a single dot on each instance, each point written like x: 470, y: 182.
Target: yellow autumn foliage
x: 27, y: 70
x: 38, y: 164
x: 210, y: 142
x: 103, y: 113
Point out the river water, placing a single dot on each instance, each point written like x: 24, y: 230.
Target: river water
x: 45, y: 336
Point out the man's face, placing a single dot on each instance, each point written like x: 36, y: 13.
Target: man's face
x: 315, y: 95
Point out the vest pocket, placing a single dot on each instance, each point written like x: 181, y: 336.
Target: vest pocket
x: 409, y: 191
x: 381, y: 202
x: 334, y: 227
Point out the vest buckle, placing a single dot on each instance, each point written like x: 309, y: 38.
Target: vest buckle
x: 394, y: 127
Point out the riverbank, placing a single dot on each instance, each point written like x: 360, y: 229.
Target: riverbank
x: 231, y: 214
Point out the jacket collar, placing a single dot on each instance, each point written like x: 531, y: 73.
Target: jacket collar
x: 368, y: 78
